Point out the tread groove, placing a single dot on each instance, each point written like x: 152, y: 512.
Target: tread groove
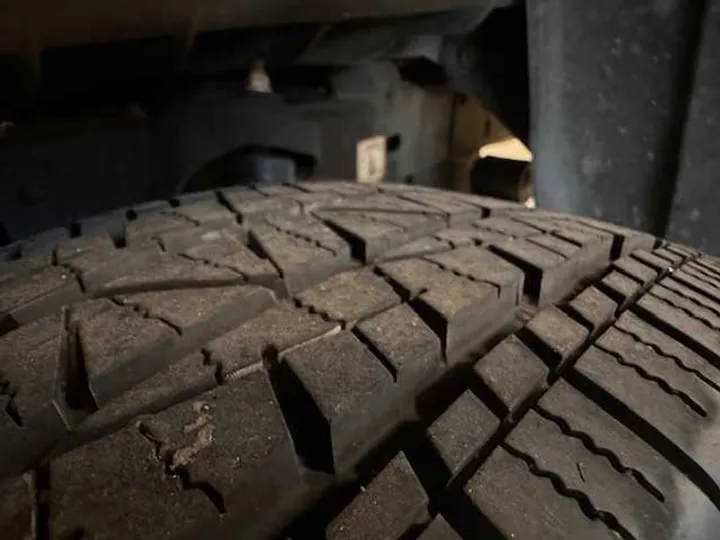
x: 42, y: 502
x: 463, y: 275
x: 301, y: 413
x: 657, y: 349
x: 357, y: 249
x: 591, y: 445
x: 533, y: 240
x: 686, y: 311
x: 255, y: 246
x: 77, y: 384
x: 533, y: 275
x: 649, y: 433
x: 691, y: 299
x: 12, y: 411
x: 302, y: 237
x: 145, y: 312
x: 376, y: 353
x: 213, y: 264
x: 582, y: 500
x: 663, y: 384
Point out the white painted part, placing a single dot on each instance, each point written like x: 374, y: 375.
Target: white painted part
x: 511, y: 148
x: 258, y: 80
x: 371, y: 160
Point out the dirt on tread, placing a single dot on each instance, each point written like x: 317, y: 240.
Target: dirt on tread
x: 333, y: 360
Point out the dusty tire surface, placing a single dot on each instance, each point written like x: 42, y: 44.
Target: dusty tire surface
x: 330, y: 360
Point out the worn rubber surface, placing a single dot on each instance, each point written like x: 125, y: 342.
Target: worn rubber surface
x: 335, y: 361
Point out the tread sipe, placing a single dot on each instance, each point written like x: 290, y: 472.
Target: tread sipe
x: 330, y: 360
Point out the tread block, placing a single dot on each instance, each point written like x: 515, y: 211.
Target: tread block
x: 27, y: 264
x: 24, y: 299
x: 581, y: 418
x: 698, y: 311
x: 232, y: 438
x: 383, y: 202
x: 461, y: 431
x: 424, y: 246
x: 30, y: 359
x: 148, y: 226
x: 185, y: 308
x: 393, y: 502
x: 626, y: 240
x: 556, y: 335
x: 310, y: 202
x: 652, y: 402
x: 97, y: 267
x: 557, y: 225
x: 303, y: 249
x: 691, y: 294
x: 684, y: 251
x: 281, y: 327
x: 468, y: 236
x: 116, y: 343
x: 76, y: 247
x: 594, y: 307
x: 407, y: 344
x: 350, y: 389
x: 487, y: 204
x: 483, y: 266
x: 693, y: 332
x: 635, y: 269
x: 670, y: 255
x: 43, y: 241
x: 708, y: 264
x: 173, y: 271
x: 556, y: 244
x: 696, y: 284
x: 178, y: 241
x: 651, y: 259
x: 677, y: 380
x: 505, y: 488
x: 490, y: 205
x: 582, y: 471
x: 462, y: 311
x: 511, y: 372
x: 206, y: 210
x: 350, y: 296
x: 252, y: 206
x: 121, y: 348
x: 550, y: 274
x: 455, y: 210
x: 132, y: 497
x: 373, y: 233
x: 285, y: 190
x: 17, y: 509
x: 439, y: 530
x: 653, y: 338
x: 226, y: 248
x: 701, y: 274
x: 507, y: 227
x: 182, y: 380
x: 109, y: 223
x: 413, y: 276
x: 349, y: 189
x: 621, y: 288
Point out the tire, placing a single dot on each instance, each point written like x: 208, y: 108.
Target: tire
x: 329, y: 360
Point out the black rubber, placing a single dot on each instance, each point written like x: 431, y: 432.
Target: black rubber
x: 330, y: 360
